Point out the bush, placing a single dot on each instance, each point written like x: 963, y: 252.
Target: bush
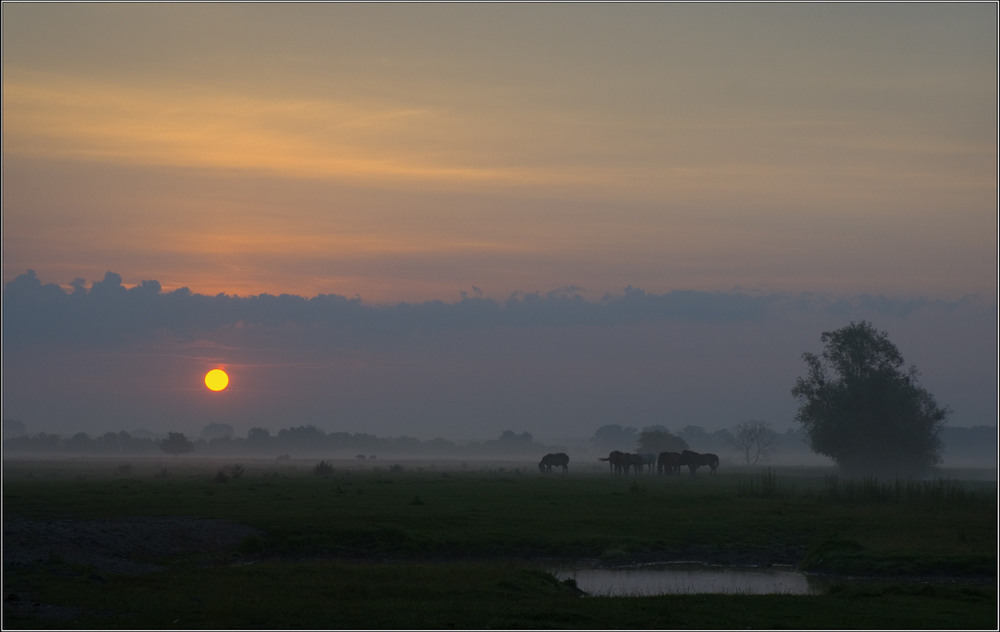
x: 323, y: 468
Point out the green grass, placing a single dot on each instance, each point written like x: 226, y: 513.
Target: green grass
x: 432, y: 547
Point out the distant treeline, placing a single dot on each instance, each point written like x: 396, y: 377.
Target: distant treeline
x: 299, y: 441
x: 976, y: 445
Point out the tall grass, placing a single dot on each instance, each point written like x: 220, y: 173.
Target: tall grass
x: 942, y: 493
x: 939, y: 493
x: 763, y: 485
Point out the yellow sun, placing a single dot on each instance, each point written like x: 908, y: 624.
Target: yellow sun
x: 216, y: 379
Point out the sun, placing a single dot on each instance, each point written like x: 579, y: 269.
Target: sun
x: 216, y: 380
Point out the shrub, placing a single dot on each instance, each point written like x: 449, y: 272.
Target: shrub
x: 323, y: 468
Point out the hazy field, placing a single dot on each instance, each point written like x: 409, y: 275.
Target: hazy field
x: 194, y: 543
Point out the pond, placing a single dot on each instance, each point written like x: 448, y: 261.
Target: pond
x: 690, y: 578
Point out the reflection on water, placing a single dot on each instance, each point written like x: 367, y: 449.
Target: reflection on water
x: 680, y: 579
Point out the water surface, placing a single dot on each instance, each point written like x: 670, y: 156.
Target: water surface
x: 684, y: 578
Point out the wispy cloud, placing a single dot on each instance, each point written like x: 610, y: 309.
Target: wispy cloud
x: 176, y: 125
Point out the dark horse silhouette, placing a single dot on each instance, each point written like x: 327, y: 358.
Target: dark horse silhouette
x: 559, y: 459
x: 617, y: 461
x: 695, y: 460
x: 668, y: 463
x: 634, y: 461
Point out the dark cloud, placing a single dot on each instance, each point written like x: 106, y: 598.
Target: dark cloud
x: 37, y: 312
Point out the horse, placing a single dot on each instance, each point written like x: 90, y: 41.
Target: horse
x: 711, y: 460
x: 616, y: 461
x: 695, y: 460
x: 634, y: 461
x: 668, y: 463
x: 559, y: 459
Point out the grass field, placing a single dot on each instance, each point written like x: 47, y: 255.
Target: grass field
x: 467, y: 545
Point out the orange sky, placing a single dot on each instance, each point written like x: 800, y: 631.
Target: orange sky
x: 415, y: 151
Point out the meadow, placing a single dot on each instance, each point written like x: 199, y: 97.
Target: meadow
x: 400, y: 544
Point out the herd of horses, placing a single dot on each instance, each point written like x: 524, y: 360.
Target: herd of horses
x: 622, y: 462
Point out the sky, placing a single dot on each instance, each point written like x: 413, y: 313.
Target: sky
x: 457, y: 219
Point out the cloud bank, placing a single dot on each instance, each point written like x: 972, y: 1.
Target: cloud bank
x: 37, y: 312
x: 109, y: 357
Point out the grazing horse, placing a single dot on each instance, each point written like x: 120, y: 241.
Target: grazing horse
x: 668, y: 463
x: 559, y: 459
x: 695, y: 460
x: 711, y: 460
x: 616, y: 461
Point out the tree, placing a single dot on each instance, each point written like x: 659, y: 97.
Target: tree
x: 511, y: 441
x: 176, y: 443
x: 308, y: 438
x: 860, y: 408
x: 753, y: 439
x: 511, y: 437
x: 80, y: 442
x: 656, y: 441
x: 259, y: 436
x: 614, y: 436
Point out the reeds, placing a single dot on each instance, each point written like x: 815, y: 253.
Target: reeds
x: 763, y: 485
x: 939, y: 492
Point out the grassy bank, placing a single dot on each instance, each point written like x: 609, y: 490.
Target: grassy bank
x: 429, y: 546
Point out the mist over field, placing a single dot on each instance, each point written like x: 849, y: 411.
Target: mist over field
x: 963, y: 448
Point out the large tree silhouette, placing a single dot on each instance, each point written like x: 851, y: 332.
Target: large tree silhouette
x: 655, y: 441
x: 859, y: 407
x: 176, y: 443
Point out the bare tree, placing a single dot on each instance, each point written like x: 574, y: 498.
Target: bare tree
x: 753, y: 439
